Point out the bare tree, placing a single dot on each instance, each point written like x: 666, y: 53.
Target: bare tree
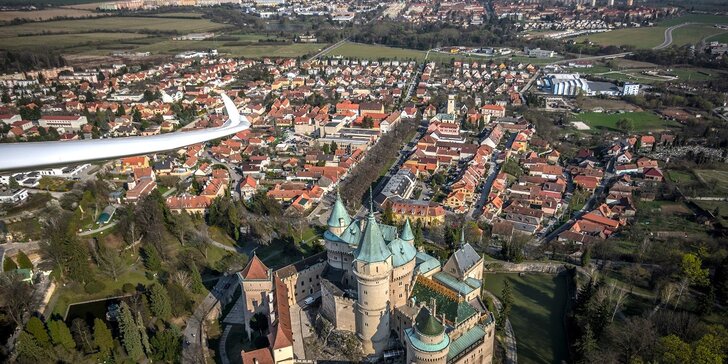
x: 667, y: 292
x: 182, y: 278
x: 617, y: 297
x: 15, y: 298
x: 201, y: 239
x: 111, y: 263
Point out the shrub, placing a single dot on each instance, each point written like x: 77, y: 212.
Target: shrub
x: 128, y: 288
x: 94, y: 287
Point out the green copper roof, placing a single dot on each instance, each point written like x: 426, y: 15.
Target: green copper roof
x: 428, y: 324
x: 372, y: 247
x: 423, y: 346
x: 407, y: 234
x: 339, y: 216
x: 402, y: 252
x: 465, y: 341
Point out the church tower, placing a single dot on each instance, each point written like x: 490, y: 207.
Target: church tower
x: 372, y: 269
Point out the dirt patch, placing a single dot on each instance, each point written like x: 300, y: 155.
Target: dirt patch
x: 591, y: 103
x: 628, y: 63
x: 675, y: 209
x: 114, y: 241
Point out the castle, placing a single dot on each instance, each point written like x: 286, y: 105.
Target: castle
x: 373, y: 282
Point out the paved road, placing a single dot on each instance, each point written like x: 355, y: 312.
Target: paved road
x: 668, y: 36
x: 511, y: 347
x: 193, y: 335
x: 328, y: 49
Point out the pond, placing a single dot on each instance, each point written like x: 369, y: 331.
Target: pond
x: 94, y: 309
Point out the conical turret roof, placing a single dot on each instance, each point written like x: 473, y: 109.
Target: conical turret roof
x: 427, y: 324
x: 339, y: 216
x: 372, y: 247
x: 407, y: 234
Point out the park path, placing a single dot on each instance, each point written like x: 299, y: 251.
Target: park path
x: 511, y: 347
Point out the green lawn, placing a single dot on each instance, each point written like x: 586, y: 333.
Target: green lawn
x: 74, y: 294
x: 641, y: 121
x: 721, y: 207
x: 680, y: 177
x: 694, y: 33
x: 697, y: 18
x: 358, y: 50
x: 537, y: 314
x: 643, y: 37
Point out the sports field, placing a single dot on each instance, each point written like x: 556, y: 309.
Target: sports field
x: 539, y: 305
x: 641, y: 121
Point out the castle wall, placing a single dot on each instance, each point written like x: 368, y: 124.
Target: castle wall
x: 338, y: 310
x: 255, y: 296
x: 401, y: 284
x: 304, y: 283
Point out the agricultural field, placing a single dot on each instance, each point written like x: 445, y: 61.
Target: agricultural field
x: 641, y: 120
x: 66, y: 42
x: 646, y: 37
x: 45, y: 14
x: 537, y: 316
x: 112, y: 24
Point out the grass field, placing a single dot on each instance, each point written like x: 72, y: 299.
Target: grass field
x: 717, y: 180
x: 648, y: 37
x: 641, y: 121
x: 680, y: 177
x: 357, y: 50
x: 721, y: 207
x: 537, y: 314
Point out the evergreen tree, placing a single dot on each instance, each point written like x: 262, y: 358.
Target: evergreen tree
x: 23, y: 261
x: 103, y: 338
x: 36, y: 328
x: 159, y: 299
x: 130, y: 333
x: 196, y: 280
x: 28, y: 349
x: 151, y: 258
x: 506, y: 302
x: 61, y: 335
x: 586, y: 257
x: 143, y: 333
x: 166, y: 346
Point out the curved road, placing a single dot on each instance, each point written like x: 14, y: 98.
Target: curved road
x: 668, y: 36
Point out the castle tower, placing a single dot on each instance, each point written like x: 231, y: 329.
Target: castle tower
x: 339, y: 218
x: 372, y: 269
x: 403, y: 266
x: 257, y: 289
x: 450, y: 104
x: 426, y: 340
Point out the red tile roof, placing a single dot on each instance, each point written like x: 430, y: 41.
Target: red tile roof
x: 255, y: 269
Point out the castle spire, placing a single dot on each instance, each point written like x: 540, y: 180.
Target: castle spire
x: 407, y: 234
x: 339, y: 217
x: 371, y: 202
x: 462, y: 237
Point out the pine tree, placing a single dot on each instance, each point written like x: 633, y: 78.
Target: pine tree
x: 103, y: 338
x: 23, y: 261
x: 196, y: 285
x: 129, y: 332
x: 61, y: 335
x: 28, y: 349
x: 36, y: 328
x: 159, y: 299
x: 143, y: 333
